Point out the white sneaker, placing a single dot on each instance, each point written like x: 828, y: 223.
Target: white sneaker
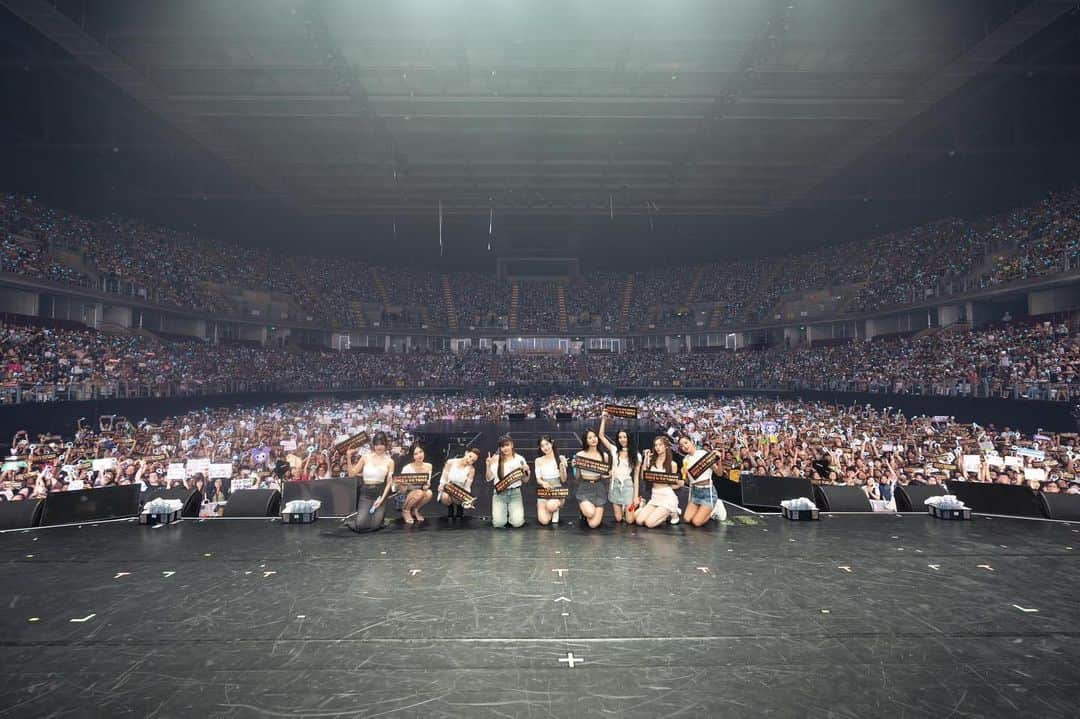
x: 719, y: 511
x: 555, y: 517
x: 675, y: 519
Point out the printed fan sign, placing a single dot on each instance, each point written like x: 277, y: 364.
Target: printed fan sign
x: 221, y: 471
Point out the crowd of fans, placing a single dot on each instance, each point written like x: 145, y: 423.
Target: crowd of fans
x: 595, y: 300
x: 480, y: 300
x: 537, y: 307
x: 27, y: 257
x: 182, y: 270
x: 263, y: 446
x: 1047, y: 237
x: 1021, y: 360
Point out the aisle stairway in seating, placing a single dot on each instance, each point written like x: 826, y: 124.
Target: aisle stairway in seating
x: 448, y: 304
x: 581, y: 369
x: 719, y: 312
x: 716, y: 319
x: 425, y: 317
x: 359, y: 319
x: 627, y: 301
x: 380, y: 287
x: 564, y: 320
x: 695, y: 282
x: 762, y: 288
x: 515, y: 303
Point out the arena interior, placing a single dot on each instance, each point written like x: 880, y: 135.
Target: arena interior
x: 500, y: 358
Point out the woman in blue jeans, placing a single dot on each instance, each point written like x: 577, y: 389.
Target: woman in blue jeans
x: 507, y: 505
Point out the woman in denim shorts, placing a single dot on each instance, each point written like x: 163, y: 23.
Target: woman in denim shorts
x: 625, y: 471
x: 703, y: 497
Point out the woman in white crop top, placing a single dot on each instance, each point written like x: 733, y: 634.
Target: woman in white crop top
x: 507, y: 506
x: 458, y: 471
x: 416, y: 496
x: 663, y: 502
x: 625, y: 472
x: 551, y: 473
x: 375, y: 470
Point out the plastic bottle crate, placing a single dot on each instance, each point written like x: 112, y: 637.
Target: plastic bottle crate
x: 964, y: 513
x: 799, y: 515
x: 152, y: 519
x: 299, y: 517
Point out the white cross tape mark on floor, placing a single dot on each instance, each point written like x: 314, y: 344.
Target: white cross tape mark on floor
x: 987, y: 567
x: 561, y: 599
x: 122, y: 574
x: 1023, y: 609
x: 87, y: 618
x: 167, y: 574
x: 703, y: 570
x: 570, y: 660
x: 935, y: 567
x: 414, y: 572
x: 268, y: 573
x: 845, y: 568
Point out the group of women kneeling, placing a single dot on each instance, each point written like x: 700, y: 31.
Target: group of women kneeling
x: 612, y: 472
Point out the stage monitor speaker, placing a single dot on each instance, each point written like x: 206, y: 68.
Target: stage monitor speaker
x: 253, y: 503
x: 1061, y: 506
x: 21, y: 514
x: 564, y: 416
x: 841, y: 498
x: 91, y: 505
x: 338, y: 496
x: 912, y: 497
x: 761, y: 491
x: 192, y: 499
x: 515, y: 416
x: 990, y: 498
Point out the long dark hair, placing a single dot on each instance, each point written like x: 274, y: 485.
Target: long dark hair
x: 503, y: 441
x: 599, y: 445
x: 668, y: 458
x: 631, y: 448
x: 546, y: 438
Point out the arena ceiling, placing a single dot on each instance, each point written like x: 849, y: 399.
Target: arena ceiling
x: 703, y: 107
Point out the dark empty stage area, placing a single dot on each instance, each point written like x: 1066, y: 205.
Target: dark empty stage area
x: 851, y: 616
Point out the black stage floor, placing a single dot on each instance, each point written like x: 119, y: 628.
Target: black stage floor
x: 854, y: 616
